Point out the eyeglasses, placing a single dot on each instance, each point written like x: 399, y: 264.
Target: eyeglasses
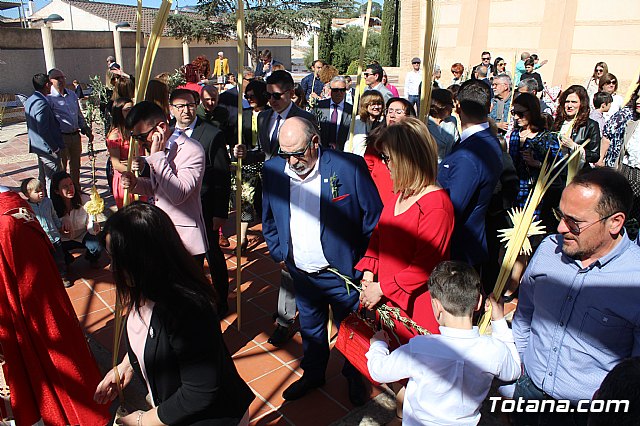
x: 275, y: 95
x: 415, y: 63
x: 249, y: 96
x: 338, y: 89
x: 486, y: 58
x: 612, y: 82
x: 181, y: 107
x: 398, y: 111
x: 376, y: 106
x: 599, y: 70
x: 502, y: 64
x: 296, y: 154
x: 385, y: 158
x: 571, y: 223
x: 366, y: 74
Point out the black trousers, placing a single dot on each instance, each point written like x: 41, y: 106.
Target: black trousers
x: 217, y: 263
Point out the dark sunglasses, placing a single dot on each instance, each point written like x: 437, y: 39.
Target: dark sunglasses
x: 296, y: 154
x: 519, y: 112
x: 366, y: 74
x: 487, y: 59
x: 275, y: 95
x: 571, y: 223
x: 142, y: 137
x: 414, y: 63
x: 249, y: 97
x: 338, y: 89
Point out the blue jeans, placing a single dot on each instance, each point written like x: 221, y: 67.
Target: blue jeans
x: 90, y: 242
x: 527, y: 390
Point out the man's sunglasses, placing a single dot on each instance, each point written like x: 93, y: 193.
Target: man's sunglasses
x: 571, y: 223
x: 338, y: 89
x: 297, y: 154
x: 142, y: 137
x: 275, y: 95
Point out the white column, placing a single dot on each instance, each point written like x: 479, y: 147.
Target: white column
x: 316, y: 47
x: 185, y: 53
x: 117, y: 46
x: 47, y: 45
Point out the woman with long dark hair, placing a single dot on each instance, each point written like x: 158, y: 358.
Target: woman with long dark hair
x: 599, y: 70
x: 614, y: 129
x: 173, y: 336
x: 79, y: 229
x: 574, y: 125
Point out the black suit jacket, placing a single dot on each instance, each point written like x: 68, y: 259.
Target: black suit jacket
x: 328, y: 129
x: 191, y: 374
x: 264, y: 119
x: 216, y: 183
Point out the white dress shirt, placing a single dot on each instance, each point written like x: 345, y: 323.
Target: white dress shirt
x: 470, y: 131
x: 449, y: 374
x: 304, y: 221
x: 177, y: 132
x: 412, y: 83
x: 274, y: 118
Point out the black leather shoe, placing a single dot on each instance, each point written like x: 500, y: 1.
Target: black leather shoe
x: 357, y: 392
x: 300, y: 388
x: 281, y: 335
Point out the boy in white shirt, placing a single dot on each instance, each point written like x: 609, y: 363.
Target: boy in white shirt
x: 449, y: 374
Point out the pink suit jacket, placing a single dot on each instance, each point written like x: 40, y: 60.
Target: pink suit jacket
x: 175, y: 182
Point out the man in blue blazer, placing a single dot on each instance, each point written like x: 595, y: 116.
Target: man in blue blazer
x: 470, y: 173
x: 319, y: 209
x: 45, y: 138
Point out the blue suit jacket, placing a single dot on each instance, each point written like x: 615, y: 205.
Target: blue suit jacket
x: 346, y: 225
x: 470, y: 174
x: 43, y: 127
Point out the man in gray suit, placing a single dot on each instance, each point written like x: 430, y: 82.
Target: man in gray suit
x: 45, y: 138
x: 270, y: 121
x: 335, y: 115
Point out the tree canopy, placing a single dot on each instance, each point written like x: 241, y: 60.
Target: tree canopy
x: 262, y: 18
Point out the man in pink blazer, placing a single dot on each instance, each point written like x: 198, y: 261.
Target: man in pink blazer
x: 176, y: 167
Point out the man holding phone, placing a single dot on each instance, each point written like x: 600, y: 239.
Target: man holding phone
x: 176, y: 167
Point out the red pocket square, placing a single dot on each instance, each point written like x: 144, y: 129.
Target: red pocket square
x: 342, y: 197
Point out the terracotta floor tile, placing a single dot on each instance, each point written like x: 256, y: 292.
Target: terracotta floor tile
x: 259, y: 409
x: 87, y: 305
x: 274, y: 418
x: 256, y: 363
x: 314, y: 409
x: 270, y: 387
x: 290, y: 351
x: 79, y: 290
x: 268, y: 300
x: 236, y: 341
x: 338, y: 389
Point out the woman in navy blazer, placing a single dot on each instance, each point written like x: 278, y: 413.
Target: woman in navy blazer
x: 173, y: 336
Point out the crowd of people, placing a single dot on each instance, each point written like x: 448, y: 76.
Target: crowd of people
x: 409, y: 209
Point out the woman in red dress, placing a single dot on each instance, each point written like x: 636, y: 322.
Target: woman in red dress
x: 414, y: 230
x: 397, y: 110
x: 118, y: 145
x: 412, y: 235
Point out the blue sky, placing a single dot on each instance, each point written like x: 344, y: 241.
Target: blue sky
x: 39, y: 4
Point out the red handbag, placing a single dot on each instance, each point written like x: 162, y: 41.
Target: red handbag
x: 354, y: 341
